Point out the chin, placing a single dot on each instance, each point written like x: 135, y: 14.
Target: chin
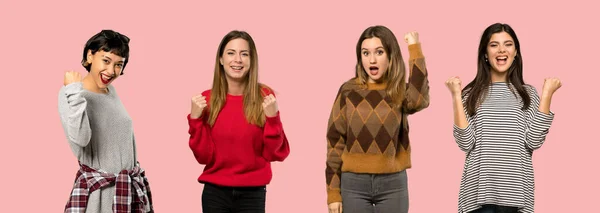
x: 102, y: 85
x: 237, y: 76
x: 375, y: 78
x: 501, y: 70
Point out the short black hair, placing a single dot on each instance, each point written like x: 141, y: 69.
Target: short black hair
x: 107, y: 41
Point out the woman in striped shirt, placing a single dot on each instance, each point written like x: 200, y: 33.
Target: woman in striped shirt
x: 498, y: 121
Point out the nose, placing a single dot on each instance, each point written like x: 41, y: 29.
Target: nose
x: 372, y: 59
x: 237, y: 58
x: 111, y: 70
x: 502, y: 49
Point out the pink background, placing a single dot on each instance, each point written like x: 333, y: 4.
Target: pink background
x: 306, y: 51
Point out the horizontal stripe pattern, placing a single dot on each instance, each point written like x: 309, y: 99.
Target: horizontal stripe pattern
x: 499, y: 141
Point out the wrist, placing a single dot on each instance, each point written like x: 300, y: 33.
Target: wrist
x: 456, y: 95
x: 272, y: 115
x: 547, y: 94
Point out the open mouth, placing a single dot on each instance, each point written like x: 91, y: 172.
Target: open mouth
x: 373, y: 70
x: 501, y: 60
x: 105, y: 78
x: 237, y: 68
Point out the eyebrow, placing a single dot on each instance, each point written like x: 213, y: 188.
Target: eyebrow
x: 235, y: 51
x: 106, y: 57
x: 504, y: 41
x: 109, y: 58
x: 380, y: 47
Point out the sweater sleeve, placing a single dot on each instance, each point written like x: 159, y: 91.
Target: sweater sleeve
x: 465, y: 138
x: 275, y: 143
x: 72, y: 109
x: 201, y: 142
x: 336, y: 143
x: 276, y: 146
x: 538, y: 123
x: 417, y: 89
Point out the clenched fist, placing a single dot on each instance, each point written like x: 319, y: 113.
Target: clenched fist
x: 72, y: 77
x: 198, y: 105
x: 454, y: 85
x: 551, y: 85
x: 270, y: 106
x: 411, y: 37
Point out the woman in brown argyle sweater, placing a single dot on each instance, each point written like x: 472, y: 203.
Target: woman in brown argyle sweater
x: 368, y: 149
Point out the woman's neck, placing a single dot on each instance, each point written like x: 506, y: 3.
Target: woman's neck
x: 235, y: 87
x: 499, y: 76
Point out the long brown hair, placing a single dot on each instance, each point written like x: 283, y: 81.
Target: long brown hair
x: 477, y: 89
x: 253, y: 97
x: 395, y: 74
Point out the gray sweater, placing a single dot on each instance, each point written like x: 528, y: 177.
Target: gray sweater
x: 100, y: 134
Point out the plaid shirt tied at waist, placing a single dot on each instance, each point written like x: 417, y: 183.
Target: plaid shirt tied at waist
x: 132, y: 192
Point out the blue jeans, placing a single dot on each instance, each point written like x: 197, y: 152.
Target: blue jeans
x: 221, y: 199
x: 376, y: 193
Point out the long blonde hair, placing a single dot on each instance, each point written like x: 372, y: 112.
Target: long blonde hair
x: 394, y: 77
x: 253, y: 97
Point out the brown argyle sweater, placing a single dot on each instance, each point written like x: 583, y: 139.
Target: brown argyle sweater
x: 365, y: 134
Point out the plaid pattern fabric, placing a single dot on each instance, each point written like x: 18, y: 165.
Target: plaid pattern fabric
x: 132, y: 190
x: 365, y: 134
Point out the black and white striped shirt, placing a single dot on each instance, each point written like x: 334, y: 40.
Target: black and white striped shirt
x: 499, y: 141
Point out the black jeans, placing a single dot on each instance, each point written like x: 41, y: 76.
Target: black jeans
x: 221, y: 199
x: 496, y: 209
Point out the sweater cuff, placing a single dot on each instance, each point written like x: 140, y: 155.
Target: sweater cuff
x: 543, y: 120
x: 194, y: 122
x: 544, y: 116
x: 273, y: 120
x: 415, y: 51
x: 462, y: 130
x: 334, y: 195
x: 73, y: 88
x: 73, y: 93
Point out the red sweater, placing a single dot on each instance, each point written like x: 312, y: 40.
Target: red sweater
x: 235, y: 152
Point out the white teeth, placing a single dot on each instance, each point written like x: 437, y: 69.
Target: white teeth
x: 106, y: 77
x: 237, y: 68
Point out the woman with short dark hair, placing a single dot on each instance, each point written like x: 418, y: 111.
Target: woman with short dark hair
x: 100, y: 132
